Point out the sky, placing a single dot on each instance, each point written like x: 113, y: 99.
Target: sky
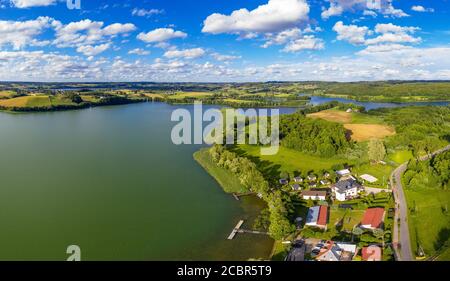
x: 224, y: 40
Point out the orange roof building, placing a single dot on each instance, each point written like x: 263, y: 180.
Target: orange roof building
x: 373, y: 218
x: 371, y: 253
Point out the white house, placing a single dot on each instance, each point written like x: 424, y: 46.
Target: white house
x: 344, y: 172
x: 346, y: 189
x: 314, y: 195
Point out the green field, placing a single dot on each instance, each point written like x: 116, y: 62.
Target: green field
x: 229, y: 182
x: 401, y: 156
x: 381, y: 172
x: 429, y: 224
x: 344, y: 220
x: 288, y: 160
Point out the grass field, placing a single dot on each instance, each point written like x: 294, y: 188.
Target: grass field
x: 229, y: 182
x: 344, y: 220
x: 6, y: 94
x: 363, y: 127
x: 429, y: 225
x: 288, y: 160
x: 182, y: 95
x: 401, y: 156
x: 28, y: 101
x: 381, y: 172
x: 333, y: 115
x: 365, y: 132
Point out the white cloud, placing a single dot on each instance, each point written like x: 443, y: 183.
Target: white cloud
x: 19, y: 34
x: 369, y: 7
x: 307, y: 42
x: 274, y: 16
x: 87, y: 32
x: 138, y: 51
x: 224, y: 58
x: 352, y: 33
x: 160, y: 35
x: 93, y: 50
x: 118, y: 28
x: 187, y: 53
x: 391, y: 33
x: 32, y: 3
x: 145, y: 12
x: 421, y: 9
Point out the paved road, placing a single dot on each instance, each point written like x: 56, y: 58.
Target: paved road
x: 402, y: 243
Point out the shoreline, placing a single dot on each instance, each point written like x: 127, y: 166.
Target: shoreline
x: 228, y: 182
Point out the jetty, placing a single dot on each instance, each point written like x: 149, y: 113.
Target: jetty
x: 237, y: 195
x: 235, y: 230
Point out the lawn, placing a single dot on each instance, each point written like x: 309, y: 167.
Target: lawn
x: 381, y: 172
x: 229, y: 182
x: 401, y: 156
x: 27, y: 101
x: 344, y: 220
x: 429, y: 225
x: 288, y: 160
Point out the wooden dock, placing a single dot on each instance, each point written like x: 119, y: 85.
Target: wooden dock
x: 237, y: 195
x: 235, y: 230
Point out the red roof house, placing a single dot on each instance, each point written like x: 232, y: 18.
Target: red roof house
x: 323, y: 216
x: 373, y: 218
x: 371, y: 253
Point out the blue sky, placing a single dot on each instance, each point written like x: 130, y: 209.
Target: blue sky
x: 218, y: 40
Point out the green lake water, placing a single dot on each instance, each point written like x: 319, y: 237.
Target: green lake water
x: 110, y: 180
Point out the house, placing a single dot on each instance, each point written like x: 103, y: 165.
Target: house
x: 349, y: 110
x: 346, y: 189
x: 369, y: 178
x: 296, y: 187
x: 324, y: 182
x: 312, y: 177
x: 284, y: 181
x: 337, y: 251
x: 314, y: 195
x: 317, y: 216
x: 344, y: 172
x: 371, y: 253
x: 312, y: 184
x: 373, y: 218
x: 326, y: 175
x: 298, y: 179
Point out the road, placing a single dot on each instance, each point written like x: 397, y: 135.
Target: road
x: 401, y: 241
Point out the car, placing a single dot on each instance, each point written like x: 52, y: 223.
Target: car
x: 320, y: 245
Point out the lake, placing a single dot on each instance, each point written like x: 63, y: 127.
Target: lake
x: 109, y: 180
x: 316, y: 100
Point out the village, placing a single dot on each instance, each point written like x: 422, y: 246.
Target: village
x: 340, y: 218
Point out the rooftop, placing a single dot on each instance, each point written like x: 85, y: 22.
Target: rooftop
x: 344, y: 185
x: 373, y: 217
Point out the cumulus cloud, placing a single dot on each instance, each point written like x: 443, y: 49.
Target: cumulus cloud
x: 19, y: 34
x: 224, y: 58
x: 307, y: 42
x: 274, y: 16
x: 160, y: 35
x: 391, y: 33
x: 32, y: 3
x: 384, y: 7
x: 88, y: 32
x: 421, y: 9
x: 388, y: 33
x: 93, y: 50
x: 352, y: 33
x: 139, y: 51
x: 187, y: 53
